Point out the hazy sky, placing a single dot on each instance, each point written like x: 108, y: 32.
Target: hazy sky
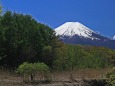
x: 98, y: 15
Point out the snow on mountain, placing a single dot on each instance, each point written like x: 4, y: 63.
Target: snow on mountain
x: 114, y: 37
x: 77, y: 33
x: 75, y: 28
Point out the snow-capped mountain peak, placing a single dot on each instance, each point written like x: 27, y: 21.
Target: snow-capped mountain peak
x: 77, y: 33
x: 74, y: 28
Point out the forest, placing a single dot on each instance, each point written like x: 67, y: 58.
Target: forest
x: 24, y: 40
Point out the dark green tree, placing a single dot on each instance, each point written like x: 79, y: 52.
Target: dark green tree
x: 24, y: 39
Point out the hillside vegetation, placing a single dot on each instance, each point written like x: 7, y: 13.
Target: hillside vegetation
x: 80, y: 57
x: 23, y: 39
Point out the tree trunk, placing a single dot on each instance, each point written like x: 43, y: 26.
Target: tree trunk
x: 32, y: 77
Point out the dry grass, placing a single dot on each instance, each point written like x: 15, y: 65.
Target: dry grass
x: 10, y: 78
x: 80, y: 74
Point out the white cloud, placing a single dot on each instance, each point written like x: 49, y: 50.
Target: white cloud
x: 114, y: 37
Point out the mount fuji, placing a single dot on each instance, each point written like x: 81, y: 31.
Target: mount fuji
x: 77, y: 33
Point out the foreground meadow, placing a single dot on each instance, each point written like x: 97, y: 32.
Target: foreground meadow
x: 58, y: 78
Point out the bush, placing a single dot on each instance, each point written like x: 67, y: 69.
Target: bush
x: 31, y: 69
x: 111, y: 78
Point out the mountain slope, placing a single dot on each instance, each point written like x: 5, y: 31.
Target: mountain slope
x: 73, y: 28
x: 77, y: 33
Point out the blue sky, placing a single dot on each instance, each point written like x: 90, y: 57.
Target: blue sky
x: 98, y: 15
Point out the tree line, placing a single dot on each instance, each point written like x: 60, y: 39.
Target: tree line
x: 23, y: 39
x: 80, y: 57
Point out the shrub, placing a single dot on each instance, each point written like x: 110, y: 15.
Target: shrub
x: 31, y: 69
x: 111, y: 78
